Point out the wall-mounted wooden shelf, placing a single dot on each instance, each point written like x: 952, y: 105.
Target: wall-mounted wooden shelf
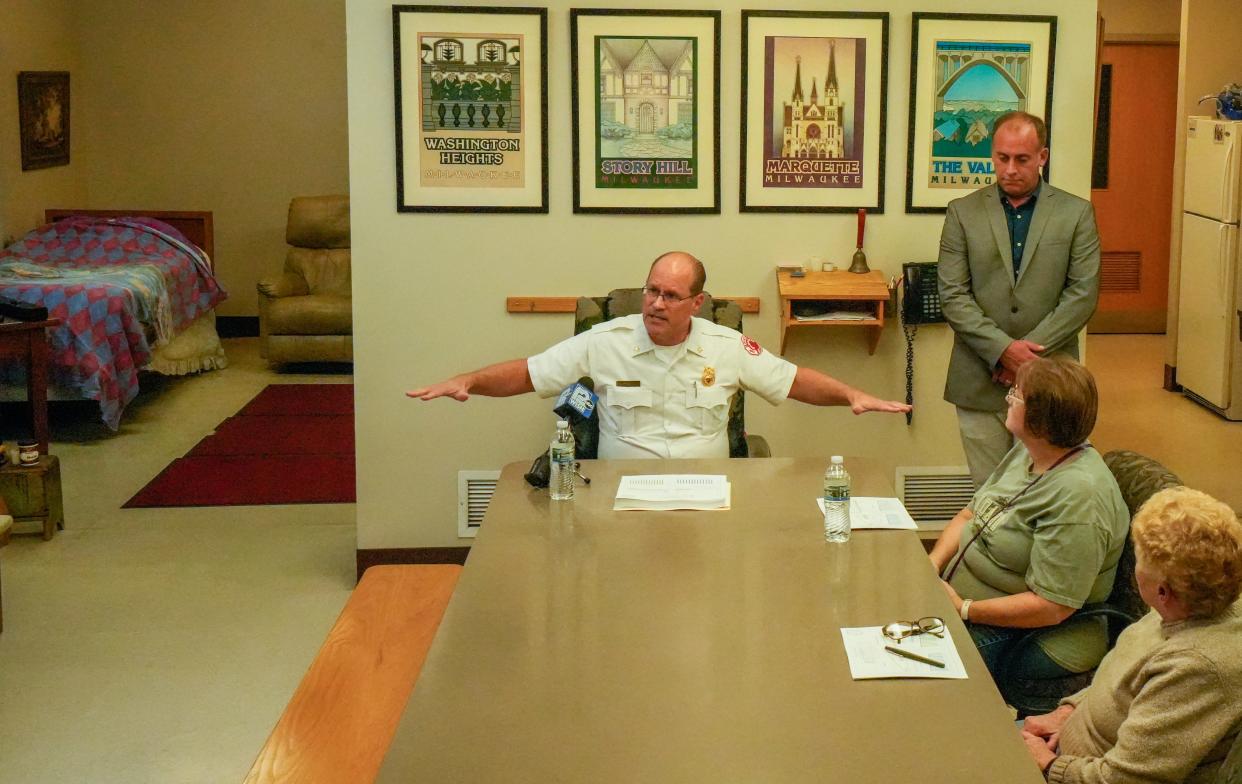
x: 835, y: 291
x: 567, y: 304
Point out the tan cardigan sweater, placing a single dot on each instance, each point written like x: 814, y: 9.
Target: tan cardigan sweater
x: 1164, y: 706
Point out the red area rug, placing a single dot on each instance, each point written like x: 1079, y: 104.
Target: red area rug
x: 292, y: 444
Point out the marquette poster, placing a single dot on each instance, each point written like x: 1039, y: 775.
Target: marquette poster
x: 813, y: 123
x: 646, y: 108
x: 814, y: 112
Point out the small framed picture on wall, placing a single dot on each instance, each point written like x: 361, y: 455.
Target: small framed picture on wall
x: 814, y: 97
x: 966, y: 70
x: 646, y: 108
x: 43, y: 117
x: 471, y: 108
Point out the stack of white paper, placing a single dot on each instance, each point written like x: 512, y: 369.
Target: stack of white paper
x: 672, y: 491
x: 876, y: 512
x: 835, y: 315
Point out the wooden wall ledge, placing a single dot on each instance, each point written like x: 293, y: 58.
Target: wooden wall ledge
x: 568, y: 304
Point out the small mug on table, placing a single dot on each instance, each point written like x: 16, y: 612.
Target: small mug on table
x: 28, y: 452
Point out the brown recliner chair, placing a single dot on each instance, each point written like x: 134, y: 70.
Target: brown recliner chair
x: 306, y: 313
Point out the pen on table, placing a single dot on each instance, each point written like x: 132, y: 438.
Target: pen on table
x: 916, y: 657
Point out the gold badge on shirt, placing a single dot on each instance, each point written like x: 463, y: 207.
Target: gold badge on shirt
x: 709, y: 376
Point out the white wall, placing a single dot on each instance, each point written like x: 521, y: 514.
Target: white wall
x: 429, y: 289
x: 36, y: 35
x: 232, y: 106
x: 1141, y: 20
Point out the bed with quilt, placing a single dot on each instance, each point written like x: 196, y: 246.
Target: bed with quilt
x: 134, y: 291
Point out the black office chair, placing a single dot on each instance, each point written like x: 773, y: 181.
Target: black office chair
x: 624, y: 302
x: 1139, y: 478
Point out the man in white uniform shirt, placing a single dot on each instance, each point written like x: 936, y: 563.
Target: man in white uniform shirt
x: 664, y: 378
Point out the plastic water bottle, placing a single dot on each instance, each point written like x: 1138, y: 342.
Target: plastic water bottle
x: 561, y: 455
x: 836, y: 502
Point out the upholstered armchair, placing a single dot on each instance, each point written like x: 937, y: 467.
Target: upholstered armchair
x: 306, y: 313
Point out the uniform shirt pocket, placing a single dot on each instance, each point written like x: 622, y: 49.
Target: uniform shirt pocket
x: 629, y: 406
x: 710, y: 407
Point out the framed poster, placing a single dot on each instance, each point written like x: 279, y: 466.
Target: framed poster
x: 43, y: 117
x: 646, y: 107
x: 965, y: 71
x: 814, y: 96
x: 472, y: 108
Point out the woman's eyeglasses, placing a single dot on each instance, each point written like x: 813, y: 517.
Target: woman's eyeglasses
x: 899, y: 630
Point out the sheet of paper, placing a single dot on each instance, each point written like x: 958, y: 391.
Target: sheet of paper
x: 864, y: 646
x: 835, y: 315
x: 673, y: 491
x: 876, y: 512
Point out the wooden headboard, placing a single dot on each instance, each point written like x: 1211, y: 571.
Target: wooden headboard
x: 196, y: 226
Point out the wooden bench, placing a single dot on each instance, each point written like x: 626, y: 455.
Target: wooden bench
x: 343, y: 715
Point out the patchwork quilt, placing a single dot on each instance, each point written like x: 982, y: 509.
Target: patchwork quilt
x: 108, y: 280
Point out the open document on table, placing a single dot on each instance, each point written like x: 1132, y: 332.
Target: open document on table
x: 673, y: 491
x: 870, y: 656
x: 876, y: 512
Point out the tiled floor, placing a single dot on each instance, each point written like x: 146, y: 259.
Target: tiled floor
x: 160, y: 645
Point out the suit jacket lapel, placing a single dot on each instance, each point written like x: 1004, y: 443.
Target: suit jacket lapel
x: 1000, y: 230
x: 1043, y: 208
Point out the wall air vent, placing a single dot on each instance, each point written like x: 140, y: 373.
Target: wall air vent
x: 474, y: 493
x: 1121, y: 272
x: 934, y: 494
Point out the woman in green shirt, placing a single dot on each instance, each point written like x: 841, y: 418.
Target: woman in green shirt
x: 1043, y: 535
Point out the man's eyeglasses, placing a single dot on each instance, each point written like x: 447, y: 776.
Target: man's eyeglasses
x: 899, y: 630
x: 669, y: 297
x: 1012, y: 397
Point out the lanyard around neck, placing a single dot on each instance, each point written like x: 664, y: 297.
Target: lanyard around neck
x: 988, y: 523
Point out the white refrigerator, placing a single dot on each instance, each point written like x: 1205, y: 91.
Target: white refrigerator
x: 1209, y: 341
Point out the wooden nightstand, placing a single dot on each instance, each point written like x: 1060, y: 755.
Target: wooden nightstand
x: 33, y: 493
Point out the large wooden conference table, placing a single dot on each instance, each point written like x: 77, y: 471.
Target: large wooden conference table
x: 586, y: 645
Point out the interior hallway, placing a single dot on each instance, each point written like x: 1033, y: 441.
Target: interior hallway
x: 160, y: 645
x: 1203, y: 449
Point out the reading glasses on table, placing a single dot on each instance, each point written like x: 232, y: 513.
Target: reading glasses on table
x: 899, y: 630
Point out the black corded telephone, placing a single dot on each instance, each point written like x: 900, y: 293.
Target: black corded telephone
x: 920, y: 304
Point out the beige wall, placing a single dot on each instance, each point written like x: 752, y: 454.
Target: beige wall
x: 429, y: 289
x: 1210, y: 58
x: 1139, y: 20
x: 233, y: 106
x: 36, y: 35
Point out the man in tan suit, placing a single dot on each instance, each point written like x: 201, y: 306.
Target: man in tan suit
x: 1018, y: 277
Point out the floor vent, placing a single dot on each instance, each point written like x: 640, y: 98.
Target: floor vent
x: 934, y: 494
x: 474, y: 492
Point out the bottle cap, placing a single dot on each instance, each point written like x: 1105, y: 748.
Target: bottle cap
x: 561, y: 424
x: 837, y: 460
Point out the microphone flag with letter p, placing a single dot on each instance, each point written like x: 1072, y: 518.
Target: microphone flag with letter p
x: 577, y: 402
